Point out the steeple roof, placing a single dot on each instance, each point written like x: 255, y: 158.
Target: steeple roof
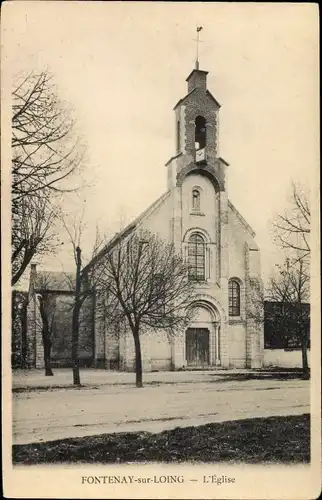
x: 191, y: 92
x: 196, y: 71
x: 197, y: 79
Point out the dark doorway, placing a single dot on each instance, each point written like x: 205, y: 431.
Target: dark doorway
x: 197, y: 346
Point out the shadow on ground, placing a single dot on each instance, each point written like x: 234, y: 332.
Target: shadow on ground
x: 273, y: 374
x: 218, y: 378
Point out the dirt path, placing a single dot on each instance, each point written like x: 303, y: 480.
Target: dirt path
x: 57, y: 414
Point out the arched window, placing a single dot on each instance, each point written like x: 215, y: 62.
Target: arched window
x: 195, y: 199
x: 234, y: 298
x: 196, y: 257
x: 200, y: 132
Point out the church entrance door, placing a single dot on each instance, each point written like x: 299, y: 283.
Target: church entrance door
x: 197, y: 346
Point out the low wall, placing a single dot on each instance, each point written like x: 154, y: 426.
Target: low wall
x: 283, y: 358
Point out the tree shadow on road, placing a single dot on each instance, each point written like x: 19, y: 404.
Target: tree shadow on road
x: 272, y: 374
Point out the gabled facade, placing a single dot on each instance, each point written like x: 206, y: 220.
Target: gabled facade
x: 210, y: 234
x: 218, y: 244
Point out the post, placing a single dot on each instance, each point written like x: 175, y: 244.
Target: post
x: 199, y: 28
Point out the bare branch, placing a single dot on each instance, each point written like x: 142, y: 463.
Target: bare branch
x: 145, y: 277
x: 45, y: 153
x: 289, y: 293
x: 292, y: 228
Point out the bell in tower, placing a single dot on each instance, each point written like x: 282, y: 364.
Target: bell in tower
x: 196, y: 145
x: 200, y: 138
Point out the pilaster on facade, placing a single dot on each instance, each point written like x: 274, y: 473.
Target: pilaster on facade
x: 223, y: 218
x: 177, y: 220
x: 254, y: 310
x: 216, y: 354
x: 178, y: 358
x: 224, y: 348
x: 223, y: 279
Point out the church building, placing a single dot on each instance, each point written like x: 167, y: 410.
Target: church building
x: 196, y: 215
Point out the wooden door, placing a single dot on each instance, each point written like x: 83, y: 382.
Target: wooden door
x: 197, y: 346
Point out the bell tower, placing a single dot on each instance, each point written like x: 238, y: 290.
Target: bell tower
x: 196, y: 155
x: 196, y: 134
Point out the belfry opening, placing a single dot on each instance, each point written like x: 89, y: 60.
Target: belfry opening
x: 200, y: 132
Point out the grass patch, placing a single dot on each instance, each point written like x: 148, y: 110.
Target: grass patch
x: 279, y: 369
x: 256, y: 440
x: 274, y: 375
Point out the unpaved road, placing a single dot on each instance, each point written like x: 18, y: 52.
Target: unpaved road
x: 43, y: 415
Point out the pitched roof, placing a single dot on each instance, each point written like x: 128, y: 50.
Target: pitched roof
x: 241, y: 218
x: 195, y: 70
x: 191, y: 92
x: 127, y: 230
x: 213, y: 98
x: 183, y: 98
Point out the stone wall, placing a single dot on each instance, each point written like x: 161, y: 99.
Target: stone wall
x: 127, y: 351
x: 199, y: 103
x: 61, y: 332
x: 283, y: 358
x: 86, y: 333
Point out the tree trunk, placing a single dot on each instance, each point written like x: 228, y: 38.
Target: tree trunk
x: 75, y: 335
x: 47, y: 349
x: 138, y: 360
x: 75, y: 321
x: 23, y: 322
x: 305, y: 364
x: 46, y: 338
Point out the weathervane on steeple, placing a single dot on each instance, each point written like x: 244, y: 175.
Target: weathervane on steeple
x: 199, y: 28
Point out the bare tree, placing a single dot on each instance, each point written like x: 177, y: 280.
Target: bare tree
x: 292, y: 286
x: 292, y: 228
x: 47, y: 306
x: 47, y: 302
x: 45, y: 154
x: 290, y: 289
x: 146, y: 285
x: 44, y: 150
x: 84, y: 284
x: 32, y: 233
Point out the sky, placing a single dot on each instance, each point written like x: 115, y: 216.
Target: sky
x: 122, y: 67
